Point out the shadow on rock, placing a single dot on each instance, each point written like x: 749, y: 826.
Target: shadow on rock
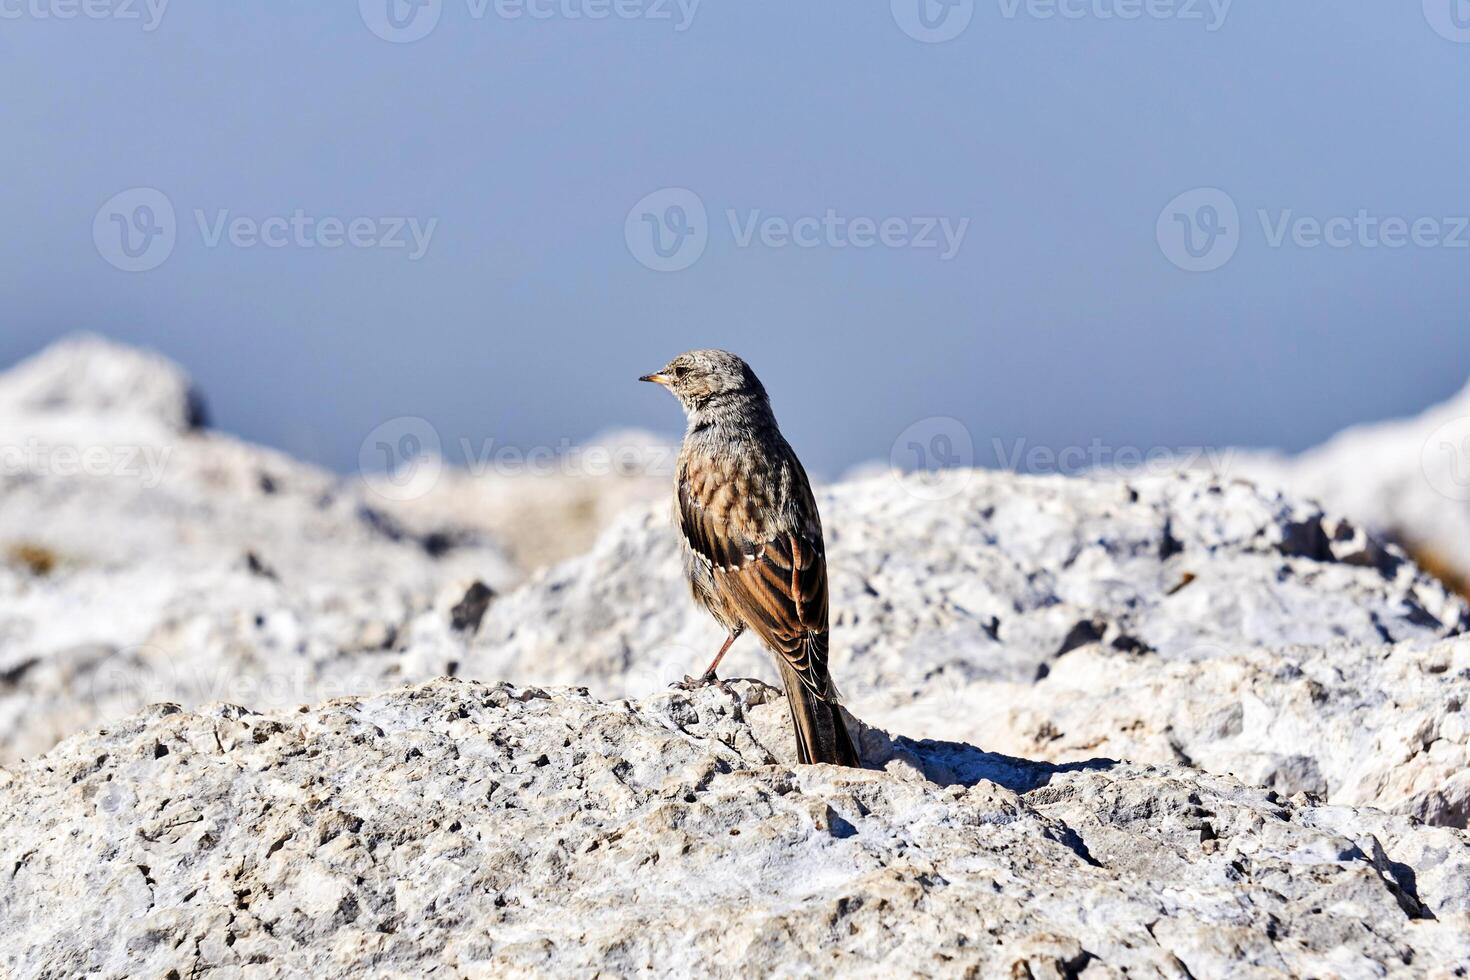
x: 958, y: 764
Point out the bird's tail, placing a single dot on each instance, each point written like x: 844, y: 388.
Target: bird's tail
x: 821, y: 734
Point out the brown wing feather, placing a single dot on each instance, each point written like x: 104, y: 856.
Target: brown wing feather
x: 774, y: 578
x: 783, y: 597
x: 711, y: 521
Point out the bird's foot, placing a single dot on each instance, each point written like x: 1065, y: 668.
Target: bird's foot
x: 707, y: 679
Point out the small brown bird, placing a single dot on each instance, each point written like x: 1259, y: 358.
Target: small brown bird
x: 755, y: 558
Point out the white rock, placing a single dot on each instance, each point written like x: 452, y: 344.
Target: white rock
x: 142, y: 559
x: 1228, y: 635
x: 1407, y: 479
x: 466, y: 830
x: 1367, y: 726
x: 90, y: 379
x: 1205, y: 624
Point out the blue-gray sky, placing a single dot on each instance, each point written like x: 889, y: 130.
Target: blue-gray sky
x: 529, y: 139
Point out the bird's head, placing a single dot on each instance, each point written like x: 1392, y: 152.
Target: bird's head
x: 699, y: 377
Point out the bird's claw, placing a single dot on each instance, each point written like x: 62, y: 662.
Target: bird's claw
x: 690, y: 683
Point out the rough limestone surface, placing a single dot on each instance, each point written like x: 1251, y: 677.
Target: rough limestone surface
x: 1384, y: 726
x: 1000, y: 578
x: 463, y: 830
x: 1285, y: 697
x: 1163, y: 620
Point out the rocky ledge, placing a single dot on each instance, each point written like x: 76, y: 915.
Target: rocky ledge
x: 1284, y: 693
x: 460, y: 829
x: 1174, y: 619
x: 1167, y: 620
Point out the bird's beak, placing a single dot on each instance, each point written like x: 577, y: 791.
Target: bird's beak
x: 658, y: 379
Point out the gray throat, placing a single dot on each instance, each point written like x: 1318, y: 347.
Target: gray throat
x: 745, y: 412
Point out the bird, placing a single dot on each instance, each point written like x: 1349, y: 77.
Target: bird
x: 754, y: 554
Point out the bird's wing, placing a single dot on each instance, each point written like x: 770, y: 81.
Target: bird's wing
x: 762, y: 540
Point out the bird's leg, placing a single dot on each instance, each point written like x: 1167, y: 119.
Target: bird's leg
x: 708, y: 677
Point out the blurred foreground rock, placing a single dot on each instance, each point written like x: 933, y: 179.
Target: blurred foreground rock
x: 459, y: 829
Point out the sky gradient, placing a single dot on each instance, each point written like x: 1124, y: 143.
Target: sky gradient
x: 1055, y: 156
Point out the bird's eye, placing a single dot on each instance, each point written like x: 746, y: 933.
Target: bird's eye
x: 680, y: 370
